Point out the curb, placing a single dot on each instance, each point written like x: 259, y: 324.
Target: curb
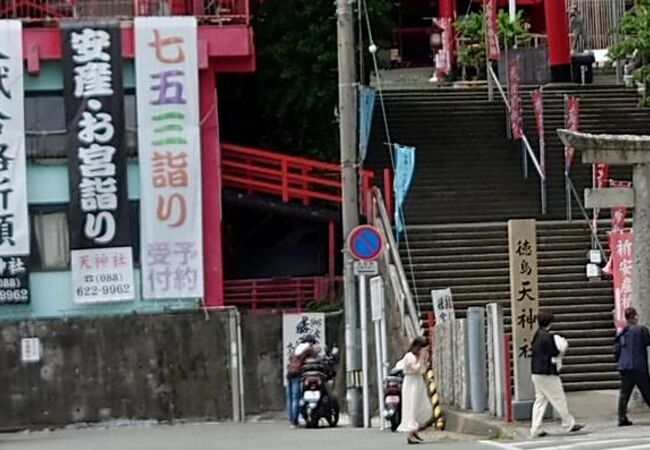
x: 484, y: 425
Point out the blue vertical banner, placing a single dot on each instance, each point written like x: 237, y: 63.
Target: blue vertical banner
x: 404, y: 168
x: 366, y: 108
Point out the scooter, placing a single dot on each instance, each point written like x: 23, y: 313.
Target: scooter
x: 317, y: 380
x: 393, y: 398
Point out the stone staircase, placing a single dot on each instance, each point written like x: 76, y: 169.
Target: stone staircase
x: 472, y: 259
x: 468, y: 183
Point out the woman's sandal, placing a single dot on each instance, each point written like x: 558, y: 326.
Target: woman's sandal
x: 411, y: 440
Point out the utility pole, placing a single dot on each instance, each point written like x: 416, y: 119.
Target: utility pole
x: 350, y: 204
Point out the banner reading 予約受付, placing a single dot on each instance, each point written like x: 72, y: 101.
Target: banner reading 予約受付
x: 14, y: 222
x: 167, y: 94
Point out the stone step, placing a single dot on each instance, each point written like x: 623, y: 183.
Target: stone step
x: 590, y: 385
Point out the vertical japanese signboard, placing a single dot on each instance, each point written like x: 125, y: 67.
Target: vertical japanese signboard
x: 170, y: 156
x: 14, y: 223
x: 296, y: 326
x: 620, y: 244
x: 101, y: 256
x: 14, y: 280
x: 516, y: 119
x: 492, y: 29
x: 524, y: 300
x: 14, y: 219
x: 443, y: 305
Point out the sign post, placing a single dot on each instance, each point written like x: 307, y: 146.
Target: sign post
x: 366, y: 244
x: 377, y: 311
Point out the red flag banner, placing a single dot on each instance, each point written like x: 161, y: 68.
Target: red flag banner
x: 538, y: 107
x: 443, y: 63
x: 492, y: 29
x: 619, y: 213
x: 600, y: 180
x: 515, y: 99
x: 572, y: 122
x: 620, y: 245
x: 602, y: 175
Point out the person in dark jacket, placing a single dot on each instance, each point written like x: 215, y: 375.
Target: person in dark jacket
x: 632, y: 363
x: 547, y: 383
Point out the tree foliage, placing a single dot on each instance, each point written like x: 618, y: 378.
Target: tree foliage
x: 634, y: 28
x: 471, y: 32
x: 297, y: 79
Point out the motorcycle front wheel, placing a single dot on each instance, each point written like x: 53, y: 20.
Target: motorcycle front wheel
x: 395, y: 420
x: 312, y: 421
x: 333, y: 419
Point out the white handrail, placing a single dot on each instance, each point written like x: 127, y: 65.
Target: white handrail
x: 525, y: 140
x: 411, y: 316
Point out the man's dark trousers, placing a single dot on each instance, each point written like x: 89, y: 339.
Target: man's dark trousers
x: 629, y: 379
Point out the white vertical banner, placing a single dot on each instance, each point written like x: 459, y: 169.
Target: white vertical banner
x: 297, y: 326
x: 167, y: 91
x: 443, y: 305
x: 14, y: 221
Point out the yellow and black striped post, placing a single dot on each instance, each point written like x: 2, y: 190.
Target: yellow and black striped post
x: 438, y: 417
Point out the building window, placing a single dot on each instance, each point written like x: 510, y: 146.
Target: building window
x: 52, y: 240
x: 50, y: 236
x: 46, y: 130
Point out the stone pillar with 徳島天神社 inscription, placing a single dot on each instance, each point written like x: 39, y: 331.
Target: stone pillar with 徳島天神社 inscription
x: 524, y: 300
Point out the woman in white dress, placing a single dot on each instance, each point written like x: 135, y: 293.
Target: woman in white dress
x: 416, y: 408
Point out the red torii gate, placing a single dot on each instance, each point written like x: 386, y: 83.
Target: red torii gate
x: 557, y: 31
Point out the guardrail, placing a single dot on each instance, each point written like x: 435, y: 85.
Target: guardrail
x: 211, y: 11
x: 288, y: 293
x: 528, y: 150
x: 393, y: 270
x: 289, y: 177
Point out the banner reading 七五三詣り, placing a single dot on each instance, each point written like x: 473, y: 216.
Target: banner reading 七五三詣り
x: 167, y: 93
x: 14, y: 223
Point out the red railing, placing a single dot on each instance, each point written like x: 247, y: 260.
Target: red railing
x: 211, y: 11
x: 289, y: 177
x: 280, y: 293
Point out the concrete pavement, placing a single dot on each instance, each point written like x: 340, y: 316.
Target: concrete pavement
x: 276, y: 435
x: 222, y: 436
x: 596, y: 409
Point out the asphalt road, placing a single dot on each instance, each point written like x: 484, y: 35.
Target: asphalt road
x: 263, y: 436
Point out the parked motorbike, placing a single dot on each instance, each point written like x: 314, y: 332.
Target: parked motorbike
x: 317, y: 380
x: 393, y: 398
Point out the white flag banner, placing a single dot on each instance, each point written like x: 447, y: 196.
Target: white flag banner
x: 296, y: 326
x: 167, y: 91
x: 14, y: 221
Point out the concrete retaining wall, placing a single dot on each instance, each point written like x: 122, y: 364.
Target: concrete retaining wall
x: 161, y: 367
x: 136, y: 367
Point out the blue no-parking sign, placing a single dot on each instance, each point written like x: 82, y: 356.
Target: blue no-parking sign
x: 365, y: 243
